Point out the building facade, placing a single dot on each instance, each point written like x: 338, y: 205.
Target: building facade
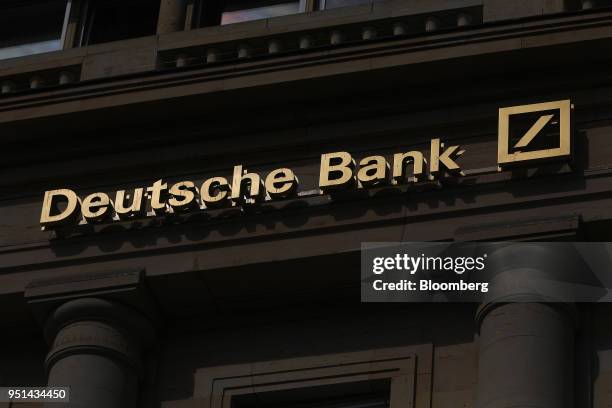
x: 252, y: 298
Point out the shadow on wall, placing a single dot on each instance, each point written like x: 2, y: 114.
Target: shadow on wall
x: 319, y: 330
x: 304, y: 215
x: 294, y: 216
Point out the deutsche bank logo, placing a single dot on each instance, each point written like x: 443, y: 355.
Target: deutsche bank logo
x: 534, y: 132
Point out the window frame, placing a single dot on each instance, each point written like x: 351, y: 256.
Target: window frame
x: 65, y: 24
x: 215, y: 387
x: 84, y: 23
x: 64, y: 33
x: 195, y: 8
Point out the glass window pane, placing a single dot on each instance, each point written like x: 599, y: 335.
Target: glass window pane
x: 30, y: 49
x: 120, y: 20
x: 238, y: 11
x: 330, y: 4
x: 32, y: 28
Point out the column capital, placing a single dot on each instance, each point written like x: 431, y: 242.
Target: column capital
x: 533, y: 273
x: 99, y: 310
x: 120, y: 294
x: 484, y: 309
x: 98, y: 326
x: 108, y: 313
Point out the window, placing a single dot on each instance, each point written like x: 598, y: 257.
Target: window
x: 32, y: 27
x: 235, y: 11
x: 353, y: 395
x: 380, y: 378
x: 331, y: 4
x: 119, y: 20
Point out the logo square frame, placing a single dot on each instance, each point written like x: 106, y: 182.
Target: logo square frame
x: 505, y: 158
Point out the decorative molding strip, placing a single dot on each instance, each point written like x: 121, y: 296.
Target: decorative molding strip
x: 309, y: 40
x: 216, y: 387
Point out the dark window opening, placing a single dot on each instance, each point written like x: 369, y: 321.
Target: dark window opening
x: 235, y: 11
x: 32, y: 27
x: 119, y: 20
x: 366, y: 394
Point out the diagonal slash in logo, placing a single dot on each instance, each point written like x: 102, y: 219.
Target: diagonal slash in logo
x: 533, y: 132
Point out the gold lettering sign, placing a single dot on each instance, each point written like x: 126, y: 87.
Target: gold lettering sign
x: 526, y: 134
x: 52, y: 215
x: 337, y: 171
x: 182, y: 196
x: 64, y: 206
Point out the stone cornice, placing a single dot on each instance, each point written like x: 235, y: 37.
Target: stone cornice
x: 375, y: 56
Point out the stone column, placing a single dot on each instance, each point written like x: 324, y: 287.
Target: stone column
x: 171, y: 16
x: 527, y: 330
x: 526, y: 356
x: 96, y: 350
